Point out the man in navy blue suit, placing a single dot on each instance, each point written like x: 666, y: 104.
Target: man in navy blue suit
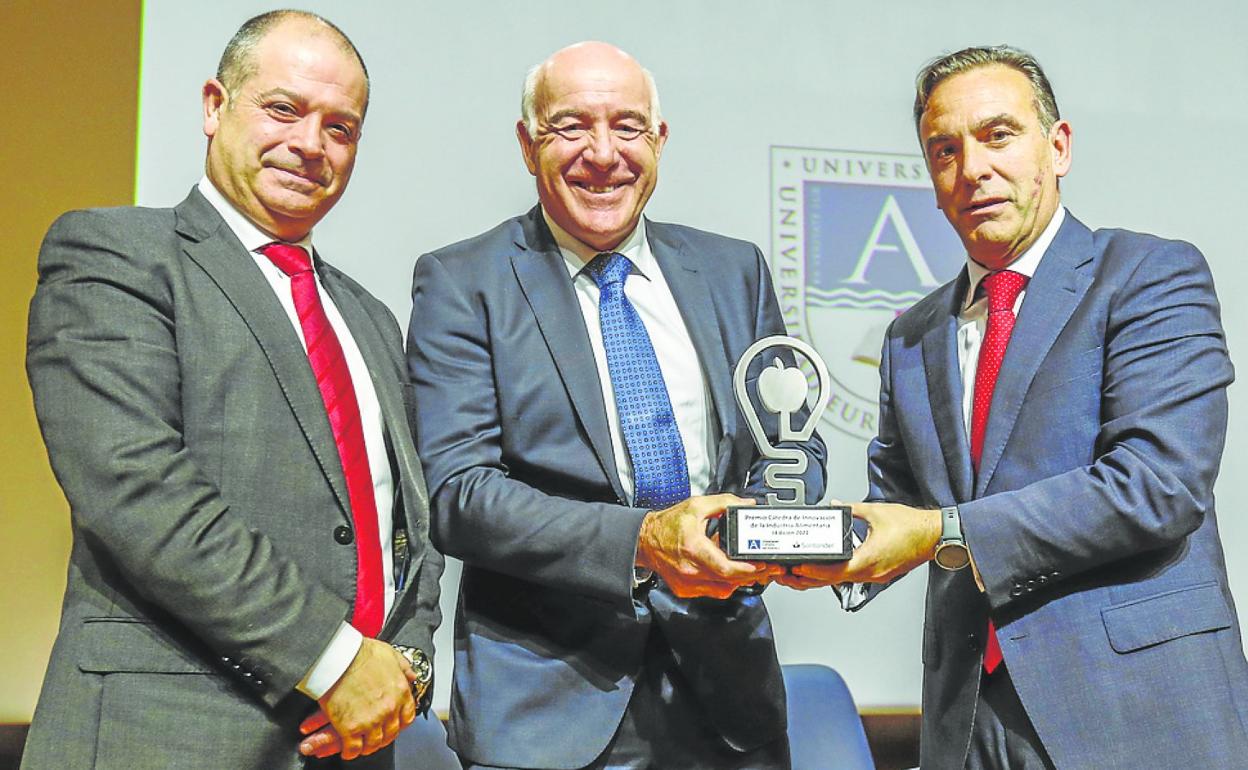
x: 597, y: 625
x: 1050, y: 441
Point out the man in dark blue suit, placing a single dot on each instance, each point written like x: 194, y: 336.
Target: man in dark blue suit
x: 572, y: 373
x: 1058, y: 435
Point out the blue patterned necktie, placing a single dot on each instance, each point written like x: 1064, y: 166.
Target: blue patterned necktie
x: 660, y: 475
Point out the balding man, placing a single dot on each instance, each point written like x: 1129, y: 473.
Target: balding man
x: 225, y: 414
x: 572, y: 369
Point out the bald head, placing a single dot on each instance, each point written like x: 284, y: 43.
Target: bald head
x: 238, y: 60
x: 599, y: 61
x: 591, y: 134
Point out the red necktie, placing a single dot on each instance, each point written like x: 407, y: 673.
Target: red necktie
x: 329, y: 367
x: 1002, y: 288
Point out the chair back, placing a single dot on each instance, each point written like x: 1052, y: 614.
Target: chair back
x: 825, y: 731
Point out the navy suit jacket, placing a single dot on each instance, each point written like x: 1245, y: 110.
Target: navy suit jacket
x: 511, y: 425
x: 1092, y: 518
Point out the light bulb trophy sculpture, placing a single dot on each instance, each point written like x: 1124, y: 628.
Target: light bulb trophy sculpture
x: 783, y: 528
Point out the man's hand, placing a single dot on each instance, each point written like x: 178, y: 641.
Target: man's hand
x: 673, y: 543
x: 367, y: 707
x: 900, y: 538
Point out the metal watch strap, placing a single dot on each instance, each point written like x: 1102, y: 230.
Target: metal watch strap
x: 422, y: 688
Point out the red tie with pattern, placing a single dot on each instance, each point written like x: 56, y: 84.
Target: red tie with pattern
x: 329, y: 367
x: 1002, y: 288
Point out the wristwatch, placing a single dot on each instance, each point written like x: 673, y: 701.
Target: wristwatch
x: 420, y: 663
x: 951, y: 551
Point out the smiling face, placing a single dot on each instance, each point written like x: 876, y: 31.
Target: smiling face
x: 995, y: 169
x: 281, y: 146
x: 595, y: 152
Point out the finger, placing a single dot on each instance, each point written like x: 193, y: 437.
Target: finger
x: 821, y: 573
x: 315, y: 721
x: 321, y: 744
x: 796, y: 583
x: 374, y: 740
x: 351, y: 746
x: 390, y: 730
x: 771, y: 568
x: 407, y: 713
x: 718, y: 563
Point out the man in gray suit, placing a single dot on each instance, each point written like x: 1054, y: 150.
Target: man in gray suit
x: 573, y: 369
x: 249, y: 517
x: 1050, y: 444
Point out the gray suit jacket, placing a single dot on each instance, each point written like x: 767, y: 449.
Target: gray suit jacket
x: 1092, y: 516
x: 208, y: 501
x: 513, y: 430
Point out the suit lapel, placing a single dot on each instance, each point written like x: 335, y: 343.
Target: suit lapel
x: 944, y: 385
x: 697, y: 308
x: 543, y: 277
x: 1053, y: 293
x: 210, y: 244
x: 387, y: 375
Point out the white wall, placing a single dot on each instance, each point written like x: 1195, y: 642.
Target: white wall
x: 1153, y: 88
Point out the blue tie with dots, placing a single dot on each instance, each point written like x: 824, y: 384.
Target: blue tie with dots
x: 660, y: 475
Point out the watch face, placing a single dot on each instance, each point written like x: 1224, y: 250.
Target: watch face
x: 952, y: 556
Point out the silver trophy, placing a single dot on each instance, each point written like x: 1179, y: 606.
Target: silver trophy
x: 784, y: 528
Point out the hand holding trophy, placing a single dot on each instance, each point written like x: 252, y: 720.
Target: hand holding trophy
x: 784, y: 529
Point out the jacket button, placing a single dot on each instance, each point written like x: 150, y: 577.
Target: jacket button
x: 972, y: 642
x: 342, y: 535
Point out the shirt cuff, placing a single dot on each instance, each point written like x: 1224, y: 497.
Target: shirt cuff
x: 332, y: 663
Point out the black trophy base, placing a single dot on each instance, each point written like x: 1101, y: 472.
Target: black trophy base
x: 788, y: 533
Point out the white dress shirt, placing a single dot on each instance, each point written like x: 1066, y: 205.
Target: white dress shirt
x: 346, y: 641
x: 648, y: 292
x: 973, y: 320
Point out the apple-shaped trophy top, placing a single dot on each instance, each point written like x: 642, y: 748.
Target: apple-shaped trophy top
x: 782, y: 389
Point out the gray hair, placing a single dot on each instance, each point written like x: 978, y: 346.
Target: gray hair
x: 238, y: 60
x: 944, y: 67
x: 528, y: 99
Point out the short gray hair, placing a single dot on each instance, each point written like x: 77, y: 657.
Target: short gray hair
x: 238, y: 60
x: 528, y: 99
x: 940, y: 69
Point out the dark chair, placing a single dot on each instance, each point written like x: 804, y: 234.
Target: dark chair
x: 825, y: 731
x: 423, y: 745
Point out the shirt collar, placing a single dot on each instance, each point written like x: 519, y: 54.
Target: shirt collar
x: 251, y: 236
x: 1025, y: 264
x: 576, y: 255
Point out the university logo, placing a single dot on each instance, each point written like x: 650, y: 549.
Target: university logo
x: 856, y: 238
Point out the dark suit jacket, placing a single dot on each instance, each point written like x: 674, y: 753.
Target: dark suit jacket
x: 184, y: 425
x: 513, y: 430
x: 1092, y: 518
